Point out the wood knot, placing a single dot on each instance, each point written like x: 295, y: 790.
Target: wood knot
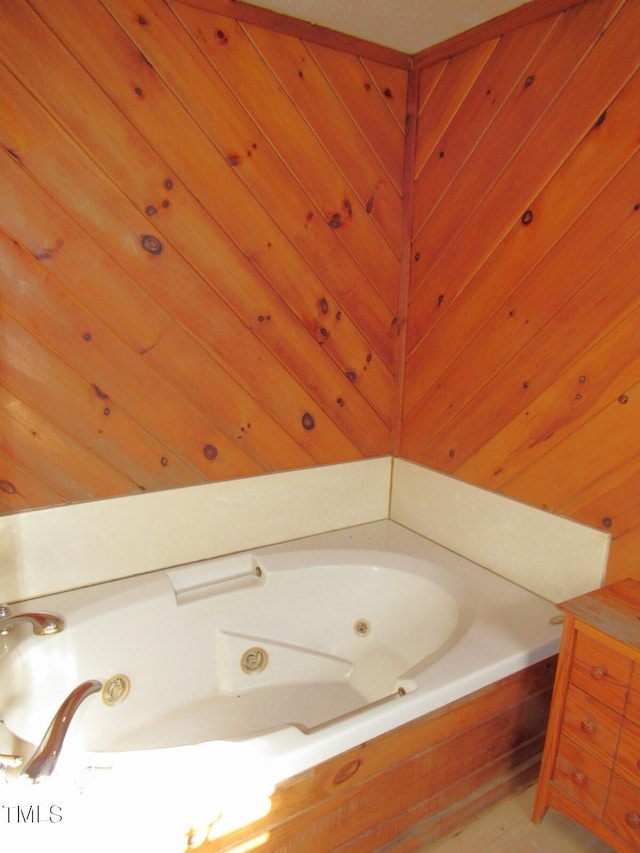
x: 335, y: 221
x: 42, y: 254
x: 308, y: 421
x: 210, y: 452
x: 48, y: 252
x: 7, y: 487
x: 527, y: 217
x: 601, y: 118
x: 151, y: 244
x: 100, y: 394
x: 347, y: 771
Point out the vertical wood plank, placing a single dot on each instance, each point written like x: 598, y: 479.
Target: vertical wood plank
x: 405, y: 270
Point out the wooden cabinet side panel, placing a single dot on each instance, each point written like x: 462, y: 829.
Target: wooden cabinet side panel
x: 561, y: 684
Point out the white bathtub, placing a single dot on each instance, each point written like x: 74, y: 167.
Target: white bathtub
x: 359, y: 631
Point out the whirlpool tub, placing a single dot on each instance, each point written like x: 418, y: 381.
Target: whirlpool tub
x: 263, y: 664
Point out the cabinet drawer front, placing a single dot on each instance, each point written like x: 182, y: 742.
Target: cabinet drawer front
x: 633, y: 704
x: 589, y: 723
x: 581, y: 776
x: 601, y: 671
x: 628, y: 759
x: 622, y: 812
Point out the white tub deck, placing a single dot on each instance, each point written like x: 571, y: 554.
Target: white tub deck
x: 484, y: 628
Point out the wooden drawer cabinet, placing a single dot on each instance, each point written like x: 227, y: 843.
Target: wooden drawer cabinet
x: 591, y: 763
x: 590, y: 724
x: 600, y: 671
x: 628, y: 756
x: 623, y: 810
x: 582, y: 776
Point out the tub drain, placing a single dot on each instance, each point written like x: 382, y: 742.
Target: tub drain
x: 254, y: 660
x: 116, y: 690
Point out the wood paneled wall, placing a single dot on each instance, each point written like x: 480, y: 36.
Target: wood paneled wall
x: 523, y: 354
x: 200, y: 238
x: 214, y: 224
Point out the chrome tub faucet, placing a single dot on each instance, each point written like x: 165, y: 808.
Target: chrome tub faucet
x: 43, y: 761
x: 42, y: 623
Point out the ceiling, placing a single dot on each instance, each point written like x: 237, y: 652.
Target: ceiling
x: 406, y: 25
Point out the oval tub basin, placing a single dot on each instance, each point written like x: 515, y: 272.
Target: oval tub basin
x: 288, y: 654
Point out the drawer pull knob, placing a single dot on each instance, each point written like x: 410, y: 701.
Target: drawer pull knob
x: 633, y: 820
x: 579, y: 778
x: 598, y: 672
x: 589, y: 727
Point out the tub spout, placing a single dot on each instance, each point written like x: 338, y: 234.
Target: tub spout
x: 43, y: 761
x: 42, y: 623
